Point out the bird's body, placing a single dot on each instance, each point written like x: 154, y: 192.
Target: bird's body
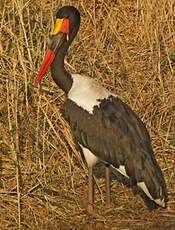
x: 112, y: 133
x: 105, y: 128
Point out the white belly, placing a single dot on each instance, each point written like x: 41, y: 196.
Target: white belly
x: 90, y: 158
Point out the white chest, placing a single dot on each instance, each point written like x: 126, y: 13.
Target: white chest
x: 86, y: 92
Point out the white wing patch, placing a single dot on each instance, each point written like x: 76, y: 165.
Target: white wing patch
x: 85, y: 92
x: 142, y: 185
x: 160, y: 202
x: 121, y: 170
x: 90, y: 158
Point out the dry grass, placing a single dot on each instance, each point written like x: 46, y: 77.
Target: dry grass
x: 129, y: 47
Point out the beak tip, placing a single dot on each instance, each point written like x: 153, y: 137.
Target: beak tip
x: 35, y: 82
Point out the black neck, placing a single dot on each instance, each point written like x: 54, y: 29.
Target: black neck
x: 59, y: 74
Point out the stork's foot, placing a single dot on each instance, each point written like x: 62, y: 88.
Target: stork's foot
x: 90, y: 208
x: 108, y: 206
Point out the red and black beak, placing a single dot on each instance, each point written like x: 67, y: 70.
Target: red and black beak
x: 59, y: 33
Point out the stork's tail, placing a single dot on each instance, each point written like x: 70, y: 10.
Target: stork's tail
x: 151, y: 186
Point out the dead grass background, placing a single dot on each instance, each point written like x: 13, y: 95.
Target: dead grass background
x: 127, y: 45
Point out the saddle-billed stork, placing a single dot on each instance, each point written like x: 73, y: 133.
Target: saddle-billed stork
x: 105, y: 128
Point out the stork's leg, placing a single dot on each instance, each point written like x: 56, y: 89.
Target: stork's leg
x: 90, y: 189
x: 108, y: 189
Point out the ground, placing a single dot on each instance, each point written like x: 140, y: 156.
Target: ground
x: 126, y: 45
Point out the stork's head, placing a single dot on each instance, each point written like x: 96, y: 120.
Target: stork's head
x: 66, y: 26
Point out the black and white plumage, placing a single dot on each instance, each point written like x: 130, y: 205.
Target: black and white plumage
x: 105, y: 128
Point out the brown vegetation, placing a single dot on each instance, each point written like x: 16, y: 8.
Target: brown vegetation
x: 127, y: 45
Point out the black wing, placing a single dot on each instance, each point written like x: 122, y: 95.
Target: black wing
x: 115, y: 134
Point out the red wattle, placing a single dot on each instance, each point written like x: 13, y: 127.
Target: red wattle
x: 65, y: 26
